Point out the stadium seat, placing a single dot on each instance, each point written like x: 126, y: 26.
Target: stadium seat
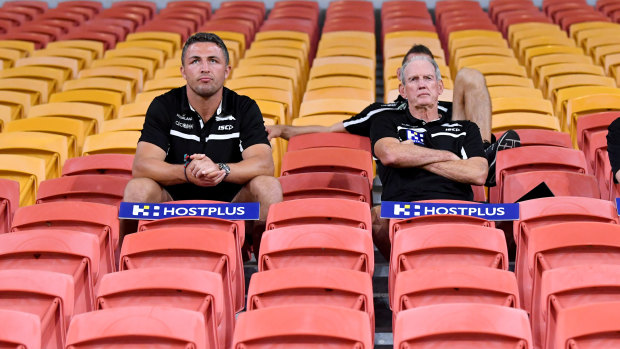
x: 446, y: 244
x: 560, y: 183
x: 110, y: 164
x: 568, y: 287
x: 235, y: 228
x: 303, y: 326
x: 64, y: 251
x: 594, y: 122
x: 533, y: 158
x: 454, y: 284
x: 131, y: 327
x: 188, y: 248
x: 312, y: 285
x: 97, y: 188
x: 116, y: 142
x: 74, y: 130
x: 317, y: 245
x: 332, y: 211
x: 532, y: 136
x: 29, y: 171
x: 568, y: 244
x: 20, y: 329
x: 9, y: 202
x: 587, y: 326
x: 47, y: 295
x: 463, y: 326
x: 196, y: 290
x: 96, y: 219
x: 325, y: 185
x: 328, y: 159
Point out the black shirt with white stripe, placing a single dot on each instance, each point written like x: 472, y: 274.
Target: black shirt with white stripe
x: 173, y: 125
x: 360, y: 123
x: 412, y: 184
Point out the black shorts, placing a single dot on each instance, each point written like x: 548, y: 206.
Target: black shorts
x: 221, y: 192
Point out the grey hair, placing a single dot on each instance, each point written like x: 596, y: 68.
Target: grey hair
x: 419, y: 58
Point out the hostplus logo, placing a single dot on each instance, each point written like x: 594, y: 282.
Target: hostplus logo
x: 405, y: 210
x: 145, y: 210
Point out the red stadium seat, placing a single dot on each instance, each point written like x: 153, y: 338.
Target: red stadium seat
x: 325, y: 185
x: 19, y: 329
x: 103, y: 189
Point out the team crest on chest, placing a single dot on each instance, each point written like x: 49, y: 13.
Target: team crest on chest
x: 416, y: 136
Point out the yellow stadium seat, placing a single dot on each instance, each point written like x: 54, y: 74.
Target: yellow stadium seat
x: 9, y: 56
x: 133, y: 109
x: 83, y: 56
x: 52, y: 148
x: 29, y: 171
x: 563, y: 95
x: 521, y: 104
x: 125, y: 124
x: 571, y: 80
x: 548, y: 71
x: 75, y: 130
x: 146, y: 65
x: 345, y: 51
x: 547, y: 30
x: 173, y: 71
x: 578, y: 27
x: 24, y: 46
x: 38, y: 89
x: 480, y: 50
x: 95, y: 47
x: 513, y: 121
x: 483, y: 59
x: 166, y: 47
x: 500, y: 69
x: 19, y: 102
x: 134, y: 75
x: 341, y: 92
x: 118, y: 142
x: 163, y: 84
x: 342, y: 70
x: 270, y: 94
x: 332, y: 106
x: 55, y: 77
x: 514, y: 91
x: 274, y: 111
x: 123, y: 86
x: 69, y: 66
x: 147, y: 97
x: 173, y: 38
x: 540, y: 61
x: 157, y: 57
x: 547, y: 50
x: 109, y: 99
x: 508, y: 80
x: 587, y: 104
x: 284, y: 43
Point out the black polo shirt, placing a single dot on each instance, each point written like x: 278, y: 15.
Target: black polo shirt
x: 360, y: 123
x: 412, y: 184
x: 173, y: 125
x: 613, y: 146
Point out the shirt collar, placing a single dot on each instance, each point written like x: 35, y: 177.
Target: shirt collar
x: 417, y: 121
x: 185, y: 106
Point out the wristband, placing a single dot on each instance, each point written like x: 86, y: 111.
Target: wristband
x: 187, y: 161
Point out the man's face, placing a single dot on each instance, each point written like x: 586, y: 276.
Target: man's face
x: 421, y: 89
x: 204, y: 68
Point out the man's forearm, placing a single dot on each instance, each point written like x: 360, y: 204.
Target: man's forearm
x: 241, y: 172
x: 402, y: 155
x: 160, y: 171
x: 470, y: 171
x: 291, y: 131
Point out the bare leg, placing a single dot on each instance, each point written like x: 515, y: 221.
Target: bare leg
x: 265, y: 190
x: 471, y: 101
x: 380, y: 233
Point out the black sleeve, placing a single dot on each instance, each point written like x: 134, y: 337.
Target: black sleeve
x: 381, y: 128
x: 252, y: 126
x: 360, y: 123
x: 156, y: 129
x: 473, y: 141
x: 613, y: 146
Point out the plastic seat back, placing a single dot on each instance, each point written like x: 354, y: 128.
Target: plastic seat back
x: 94, y: 218
x: 544, y: 211
x: 109, y: 164
x: 189, y: 248
x: 303, y: 326
x: 9, y: 202
x: 104, y: 189
x: 19, y: 329
x: 47, y: 295
x: 587, y: 326
x: 62, y: 251
x: 325, y: 185
x: 138, y: 327
x: 317, y: 245
x: 190, y: 289
x: 464, y: 326
x: 559, y: 182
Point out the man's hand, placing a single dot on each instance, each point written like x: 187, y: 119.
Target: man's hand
x: 203, y: 172
x: 273, y: 131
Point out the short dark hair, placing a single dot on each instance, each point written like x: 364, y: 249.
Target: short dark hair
x: 418, y: 49
x: 205, y: 37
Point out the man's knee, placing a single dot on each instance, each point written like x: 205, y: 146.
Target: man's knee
x: 142, y: 190
x: 470, y: 79
x: 265, y: 188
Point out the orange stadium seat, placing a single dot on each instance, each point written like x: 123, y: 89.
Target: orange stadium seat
x: 96, y: 219
x: 325, y: 185
x: 64, y: 251
x: 20, y: 328
x: 129, y: 327
x: 197, y: 290
x: 303, y: 326
x: 104, y: 189
x: 446, y: 244
x: 47, y: 295
x: 188, y: 248
x: 317, y: 245
x: 463, y: 325
x: 454, y: 284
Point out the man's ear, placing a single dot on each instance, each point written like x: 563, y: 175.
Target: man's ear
x: 398, y: 73
x: 440, y: 87
x: 401, y: 90
x: 183, y: 72
x: 227, y: 72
